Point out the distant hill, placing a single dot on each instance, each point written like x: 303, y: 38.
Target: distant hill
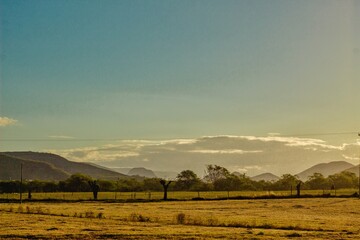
x: 354, y: 169
x: 64, y: 165
x: 142, y: 172
x: 123, y: 170
x: 237, y: 173
x: 265, y: 177
x: 10, y: 169
x: 325, y: 169
x: 159, y: 174
x: 102, y: 167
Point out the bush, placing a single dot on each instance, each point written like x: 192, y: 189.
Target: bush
x: 90, y: 214
x: 134, y: 217
x: 180, y: 218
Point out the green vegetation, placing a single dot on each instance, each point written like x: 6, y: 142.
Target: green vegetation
x: 60, y: 175
x: 217, y: 179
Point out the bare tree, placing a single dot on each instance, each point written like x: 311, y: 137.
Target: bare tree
x: 95, y: 188
x: 165, y: 186
x: 298, y: 188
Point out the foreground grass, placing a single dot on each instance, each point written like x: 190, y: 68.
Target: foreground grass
x: 229, y: 219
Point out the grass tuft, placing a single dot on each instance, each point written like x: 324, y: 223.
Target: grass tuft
x: 180, y: 218
x: 183, y: 219
x: 134, y: 217
x: 20, y: 209
x: 89, y: 214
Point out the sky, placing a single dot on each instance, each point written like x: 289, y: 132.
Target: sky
x: 92, y: 74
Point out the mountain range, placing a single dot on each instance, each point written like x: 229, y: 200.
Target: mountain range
x: 325, y: 169
x: 145, y: 172
x: 47, y: 166
x: 265, y: 177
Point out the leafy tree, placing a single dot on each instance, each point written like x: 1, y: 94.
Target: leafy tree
x: 344, y: 180
x: 77, y: 183
x: 246, y: 183
x: 230, y: 182
x: 62, y: 186
x: 50, y: 187
x: 95, y: 188
x: 201, y: 186
x: 129, y: 185
x: 9, y: 186
x: 35, y: 186
x: 186, y: 180
x: 106, y: 186
x: 286, y: 182
x: 152, y: 184
x: 234, y: 183
x: 214, y: 172
x: 263, y: 185
x: 317, y: 181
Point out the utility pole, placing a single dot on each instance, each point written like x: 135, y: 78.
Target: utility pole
x: 21, y: 181
x: 359, y: 171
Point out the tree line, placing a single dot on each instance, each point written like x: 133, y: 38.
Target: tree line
x: 216, y: 178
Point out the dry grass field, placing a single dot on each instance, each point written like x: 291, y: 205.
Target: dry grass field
x: 329, y: 218
x: 74, y: 196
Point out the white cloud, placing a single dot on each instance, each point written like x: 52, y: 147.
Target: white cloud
x: 356, y: 158
x: 294, y: 141
x: 246, y: 169
x: 279, y: 154
x: 225, y: 151
x: 5, y: 121
x: 109, y: 152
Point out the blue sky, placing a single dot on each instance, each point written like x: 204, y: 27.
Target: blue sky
x: 176, y: 69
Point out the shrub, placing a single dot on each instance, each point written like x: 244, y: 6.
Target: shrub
x: 134, y: 217
x: 212, y: 221
x: 90, y: 214
x: 20, y: 209
x: 180, y: 218
x: 39, y: 210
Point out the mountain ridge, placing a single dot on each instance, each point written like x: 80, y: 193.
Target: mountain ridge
x: 265, y: 177
x: 10, y: 169
x: 325, y: 169
x: 142, y: 172
x: 63, y: 164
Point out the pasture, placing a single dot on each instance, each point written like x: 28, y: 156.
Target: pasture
x: 181, y: 195
x: 313, y: 218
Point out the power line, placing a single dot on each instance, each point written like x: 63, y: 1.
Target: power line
x: 122, y: 139
x: 57, y: 140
